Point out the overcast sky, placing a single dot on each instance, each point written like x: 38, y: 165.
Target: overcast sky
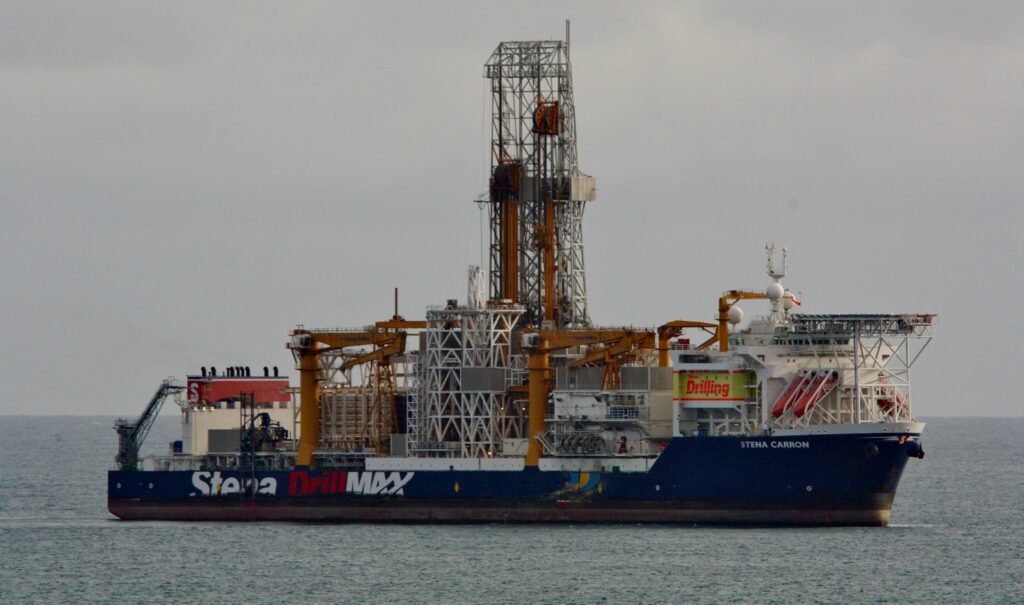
x: 183, y: 182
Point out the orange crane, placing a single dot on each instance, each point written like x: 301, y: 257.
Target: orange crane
x: 612, y: 344
x: 670, y: 330
x: 382, y: 420
x: 388, y: 339
x: 725, y: 302
x: 611, y: 354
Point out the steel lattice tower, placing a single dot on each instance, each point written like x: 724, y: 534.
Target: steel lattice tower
x: 537, y: 193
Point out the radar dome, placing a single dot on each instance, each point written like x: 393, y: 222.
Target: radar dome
x: 776, y: 291
x: 735, y: 315
x: 787, y: 303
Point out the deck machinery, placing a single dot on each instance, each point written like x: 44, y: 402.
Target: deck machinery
x: 512, y: 406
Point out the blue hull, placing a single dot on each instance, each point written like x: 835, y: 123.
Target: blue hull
x: 810, y: 479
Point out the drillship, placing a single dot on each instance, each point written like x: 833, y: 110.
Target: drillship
x: 511, y: 406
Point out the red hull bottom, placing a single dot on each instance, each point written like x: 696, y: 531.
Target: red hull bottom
x: 561, y: 512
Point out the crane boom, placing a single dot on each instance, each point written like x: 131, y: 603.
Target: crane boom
x: 130, y: 435
x: 670, y: 330
x: 540, y: 344
x: 611, y: 355
x: 388, y: 339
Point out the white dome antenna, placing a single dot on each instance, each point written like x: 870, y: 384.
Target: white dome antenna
x: 735, y: 315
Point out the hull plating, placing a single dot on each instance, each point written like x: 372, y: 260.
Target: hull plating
x: 805, y: 480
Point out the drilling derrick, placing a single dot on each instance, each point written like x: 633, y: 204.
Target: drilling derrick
x: 537, y: 192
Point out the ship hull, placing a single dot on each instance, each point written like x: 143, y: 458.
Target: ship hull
x: 875, y: 512
x: 792, y: 480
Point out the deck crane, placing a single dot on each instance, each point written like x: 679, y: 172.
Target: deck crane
x: 383, y: 419
x: 610, y: 343
x: 388, y: 339
x: 730, y: 298
x: 130, y: 435
x: 725, y: 303
x: 670, y: 330
x: 612, y: 354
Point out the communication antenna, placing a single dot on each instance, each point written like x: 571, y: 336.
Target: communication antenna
x: 567, y: 39
x: 773, y: 271
x: 480, y: 204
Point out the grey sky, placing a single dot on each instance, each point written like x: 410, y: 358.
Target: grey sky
x: 181, y: 183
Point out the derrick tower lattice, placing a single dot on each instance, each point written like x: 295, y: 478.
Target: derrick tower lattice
x: 537, y: 192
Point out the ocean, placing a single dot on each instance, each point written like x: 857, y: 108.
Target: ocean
x: 956, y: 536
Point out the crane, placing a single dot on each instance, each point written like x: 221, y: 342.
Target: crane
x: 730, y: 298
x: 610, y: 355
x: 130, y: 435
x: 611, y: 345
x: 726, y: 302
x: 670, y: 330
x: 388, y: 339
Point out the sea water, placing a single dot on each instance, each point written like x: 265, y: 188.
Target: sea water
x: 956, y: 536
